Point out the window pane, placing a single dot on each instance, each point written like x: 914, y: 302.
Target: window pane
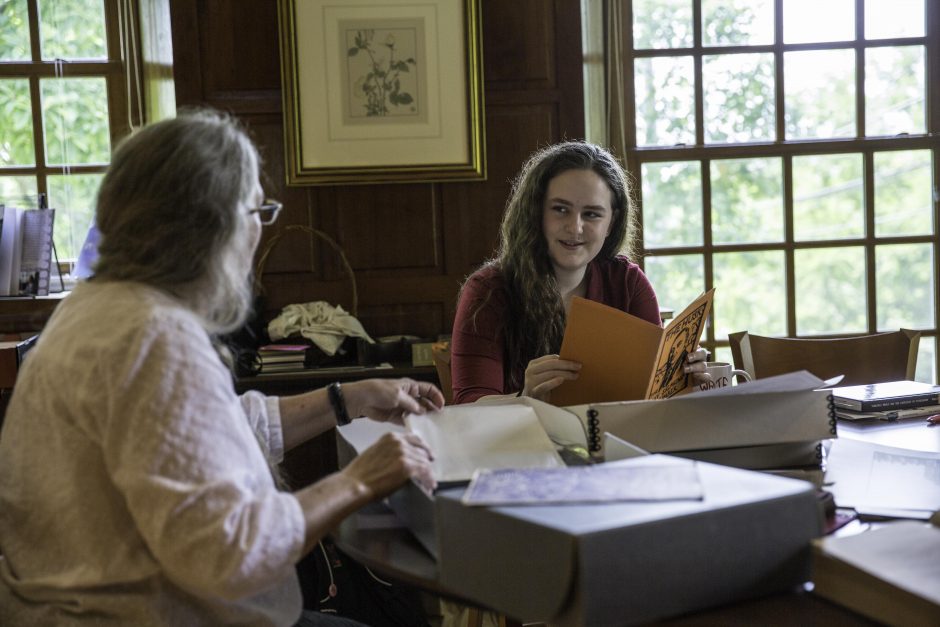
x: 72, y: 29
x: 903, y: 193
x: 904, y: 280
x: 895, y: 90
x: 73, y: 198
x: 828, y: 197
x: 75, y: 116
x: 18, y: 190
x: 750, y: 293
x: 806, y: 21
x: 662, y: 24
x: 16, y: 123
x: 819, y: 94
x: 665, y: 100
x: 14, y: 35
x: 830, y: 291
x: 722, y: 354
x: 677, y: 279
x: 885, y: 19
x: 739, y: 97
x: 737, y: 22
x: 747, y: 200
x: 672, y: 204
x: 927, y: 361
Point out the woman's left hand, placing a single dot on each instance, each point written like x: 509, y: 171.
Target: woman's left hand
x: 388, y: 400
x: 696, y: 365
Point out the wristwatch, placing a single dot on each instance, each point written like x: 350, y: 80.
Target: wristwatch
x: 335, y: 392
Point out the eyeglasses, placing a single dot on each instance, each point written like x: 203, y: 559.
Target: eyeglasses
x: 268, y: 211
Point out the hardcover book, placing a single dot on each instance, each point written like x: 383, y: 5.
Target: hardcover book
x: 890, y: 573
x: 889, y: 395
x: 626, y: 358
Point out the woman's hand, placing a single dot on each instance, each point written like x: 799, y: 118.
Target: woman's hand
x: 390, y: 462
x: 696, y: 366
x: 388, y: 400
x: 546, y: 373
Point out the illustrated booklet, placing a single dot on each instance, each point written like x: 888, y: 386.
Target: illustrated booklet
x: 624, y: 357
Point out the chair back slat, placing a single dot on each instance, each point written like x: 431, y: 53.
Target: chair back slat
x: 863, y: 359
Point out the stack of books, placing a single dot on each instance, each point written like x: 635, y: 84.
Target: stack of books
x: 282, y: 357
x: 893, y: 400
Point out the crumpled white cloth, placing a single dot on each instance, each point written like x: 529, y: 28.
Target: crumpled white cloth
x: 321, y: 323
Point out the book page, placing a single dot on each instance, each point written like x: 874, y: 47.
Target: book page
x: 681, y: 338
x: 875, y: 478
x: 464, y: 438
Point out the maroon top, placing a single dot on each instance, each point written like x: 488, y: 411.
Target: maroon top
x: 477, y: 354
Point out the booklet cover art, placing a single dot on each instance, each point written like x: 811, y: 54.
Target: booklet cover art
x: 681, y: 338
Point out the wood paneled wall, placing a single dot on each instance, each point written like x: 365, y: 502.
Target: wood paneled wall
x: 410, y: 245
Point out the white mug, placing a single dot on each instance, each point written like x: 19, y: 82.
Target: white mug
x: 721, y: 373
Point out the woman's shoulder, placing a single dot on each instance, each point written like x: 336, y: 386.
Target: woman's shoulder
x: 486, y: 279
x: 619, y: 266
x: 123, y: 310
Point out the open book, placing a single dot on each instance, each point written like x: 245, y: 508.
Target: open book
x: 627, y: 358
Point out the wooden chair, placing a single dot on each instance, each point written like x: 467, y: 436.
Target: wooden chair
x: 863, y: 359
x: 440, y: 351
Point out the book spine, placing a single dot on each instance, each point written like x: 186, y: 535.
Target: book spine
x: 594, y: 435
x: 899, y: 403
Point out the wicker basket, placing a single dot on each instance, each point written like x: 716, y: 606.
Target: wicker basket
x: 313, y: 233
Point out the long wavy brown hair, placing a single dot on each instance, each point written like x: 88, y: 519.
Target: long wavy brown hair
x: 535, y: 322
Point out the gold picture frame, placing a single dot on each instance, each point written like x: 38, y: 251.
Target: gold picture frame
x: 382, y: 91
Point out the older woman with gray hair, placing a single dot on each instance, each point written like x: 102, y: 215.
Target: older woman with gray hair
x: 136, y: 486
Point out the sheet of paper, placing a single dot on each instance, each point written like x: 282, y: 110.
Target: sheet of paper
x: 797, y: 381
x: 873, y: 478
x: 665, y: 480
x: 464, y: 438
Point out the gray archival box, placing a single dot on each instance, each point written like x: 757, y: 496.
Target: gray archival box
x: 619, y: 563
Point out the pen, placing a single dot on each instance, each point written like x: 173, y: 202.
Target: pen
x: 933, y: 420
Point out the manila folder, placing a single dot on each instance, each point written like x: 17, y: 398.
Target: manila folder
x: 617, y: 352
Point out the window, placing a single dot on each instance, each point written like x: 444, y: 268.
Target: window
x: 63, y: 105
x: 786, y: 152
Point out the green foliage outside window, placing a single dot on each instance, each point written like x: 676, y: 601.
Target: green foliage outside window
x: 76, y: 117
x: 827, y: 191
